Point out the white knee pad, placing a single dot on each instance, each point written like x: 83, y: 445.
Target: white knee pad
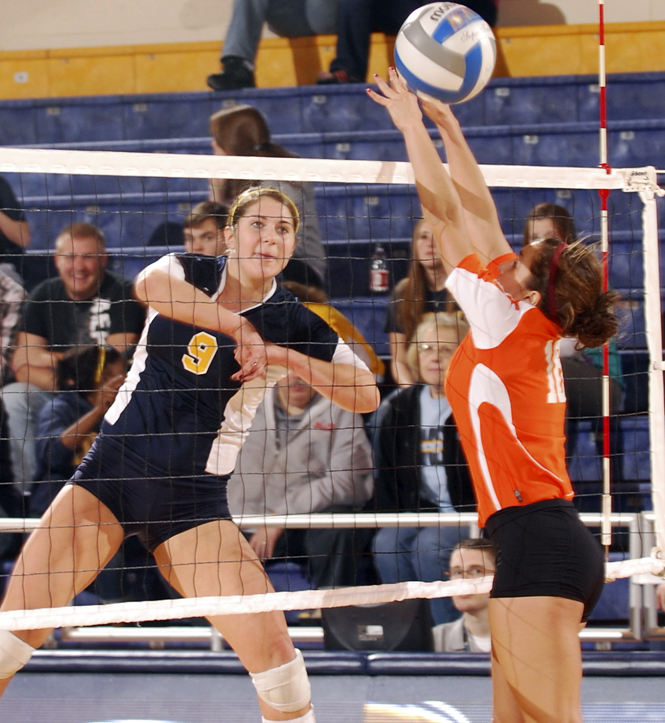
x: 14, y: 654
x: 285, y: 688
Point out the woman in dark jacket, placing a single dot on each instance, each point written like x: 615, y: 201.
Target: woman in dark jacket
x: 420, y: 465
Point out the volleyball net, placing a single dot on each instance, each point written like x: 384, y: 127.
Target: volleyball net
x: 361, y: 205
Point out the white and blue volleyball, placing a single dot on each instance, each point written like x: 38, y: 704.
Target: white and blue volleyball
x: 446, y: 51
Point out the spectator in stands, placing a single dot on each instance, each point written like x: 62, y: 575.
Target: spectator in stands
x: 204, y: 229
x: 420, y: 466
x: 11, y: 503
x: 242, y: 130
x: 12, y: 295
x: 316, y: 300
x: 471, y: 560
x: 582, y: 370
x: 84, y: 304
x: 88, y: 380
x: 422, y: 291
x: 304, y: 454
x: 287, y: 18
x: 358, y: 19
x: 14, y: 231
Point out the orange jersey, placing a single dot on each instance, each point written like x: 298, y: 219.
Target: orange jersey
x: 505, y: 386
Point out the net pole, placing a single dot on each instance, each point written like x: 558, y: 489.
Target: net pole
x: 652, y: 320
x: 606, y: 505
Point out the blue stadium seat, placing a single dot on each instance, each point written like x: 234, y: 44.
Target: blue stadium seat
x: 530, y: 100
x: 18, y: 123
x: 127, y: 220
x: 178, y: 115
x: 586, y: 466
x: 572, y: 144
x: 72, y: 119
x: 316, y: 109
x: 341, y: 108
x: 634, y: 95
x: 636, y: 142
x: 368, y: 315
x: 635, y: 431
x: 282, y: 107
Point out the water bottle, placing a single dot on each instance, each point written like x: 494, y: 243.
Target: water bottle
x: 379, y: 276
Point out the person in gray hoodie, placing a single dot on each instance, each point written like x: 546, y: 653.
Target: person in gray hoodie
x: 304, y: 454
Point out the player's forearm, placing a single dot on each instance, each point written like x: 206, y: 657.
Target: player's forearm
x: 179, y: 300
x: 482, y: 218
x: 465, y: 171
x: 350, y: 387
x: 35, y: 365
x: 82, y: 428
x: 438, y: 196
x: 17, y: 232
x: 42, y: 377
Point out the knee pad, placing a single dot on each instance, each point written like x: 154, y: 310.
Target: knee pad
x: 285, y: 688
x: 14, y: 654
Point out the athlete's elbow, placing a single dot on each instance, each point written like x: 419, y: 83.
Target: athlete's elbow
x: 367, y: 399
x: 146, y: 285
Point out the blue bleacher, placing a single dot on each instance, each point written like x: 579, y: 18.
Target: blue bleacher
x: 535, y: 121
x: 346, y: 213
x: 319, y: 109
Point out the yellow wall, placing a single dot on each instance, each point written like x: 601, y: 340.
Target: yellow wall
x: 163, y: 68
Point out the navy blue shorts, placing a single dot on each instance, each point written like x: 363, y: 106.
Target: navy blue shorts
x: 543, y: 549
x: 155, y: 508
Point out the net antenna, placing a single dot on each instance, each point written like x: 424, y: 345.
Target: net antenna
x: 606, y: 505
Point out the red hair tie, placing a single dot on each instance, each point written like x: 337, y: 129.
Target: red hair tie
x: 551, y: 295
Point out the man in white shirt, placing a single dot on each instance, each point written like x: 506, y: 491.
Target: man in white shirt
x: 471, y: 559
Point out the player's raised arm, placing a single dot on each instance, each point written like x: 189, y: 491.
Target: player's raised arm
x: 482, y: 219
x: 441, y: 203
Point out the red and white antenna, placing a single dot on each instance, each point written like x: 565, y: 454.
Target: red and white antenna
x: 606, y: 509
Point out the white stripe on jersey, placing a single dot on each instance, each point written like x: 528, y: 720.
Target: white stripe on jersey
x: 241, y: 409
x: 239, y: 414
x: 486, y: 385
x: 345, y: 355
x: 133, y: 377
x: 491, y: 313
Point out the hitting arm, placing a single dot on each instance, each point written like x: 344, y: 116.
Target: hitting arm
x: 480, y: 212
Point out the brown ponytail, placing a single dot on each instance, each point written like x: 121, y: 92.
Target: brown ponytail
x: 578, y: 303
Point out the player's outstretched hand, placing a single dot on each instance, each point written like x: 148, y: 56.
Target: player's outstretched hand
x: 250, y: 353
x: 400, y: 102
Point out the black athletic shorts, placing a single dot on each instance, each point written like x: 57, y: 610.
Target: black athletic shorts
x: 155, y: 508
x: 543, y: 549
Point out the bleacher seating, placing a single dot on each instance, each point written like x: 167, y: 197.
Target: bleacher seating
x: 536, y: 121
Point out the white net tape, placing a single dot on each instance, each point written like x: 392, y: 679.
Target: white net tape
x: 87, y: 615
x: 163, y: 165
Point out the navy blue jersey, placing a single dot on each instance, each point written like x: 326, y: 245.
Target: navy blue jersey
x: 179, y: 413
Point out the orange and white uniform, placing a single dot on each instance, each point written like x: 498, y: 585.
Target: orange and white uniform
x: 505, y: 387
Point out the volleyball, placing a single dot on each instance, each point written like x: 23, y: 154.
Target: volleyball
x: 446, y: 51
